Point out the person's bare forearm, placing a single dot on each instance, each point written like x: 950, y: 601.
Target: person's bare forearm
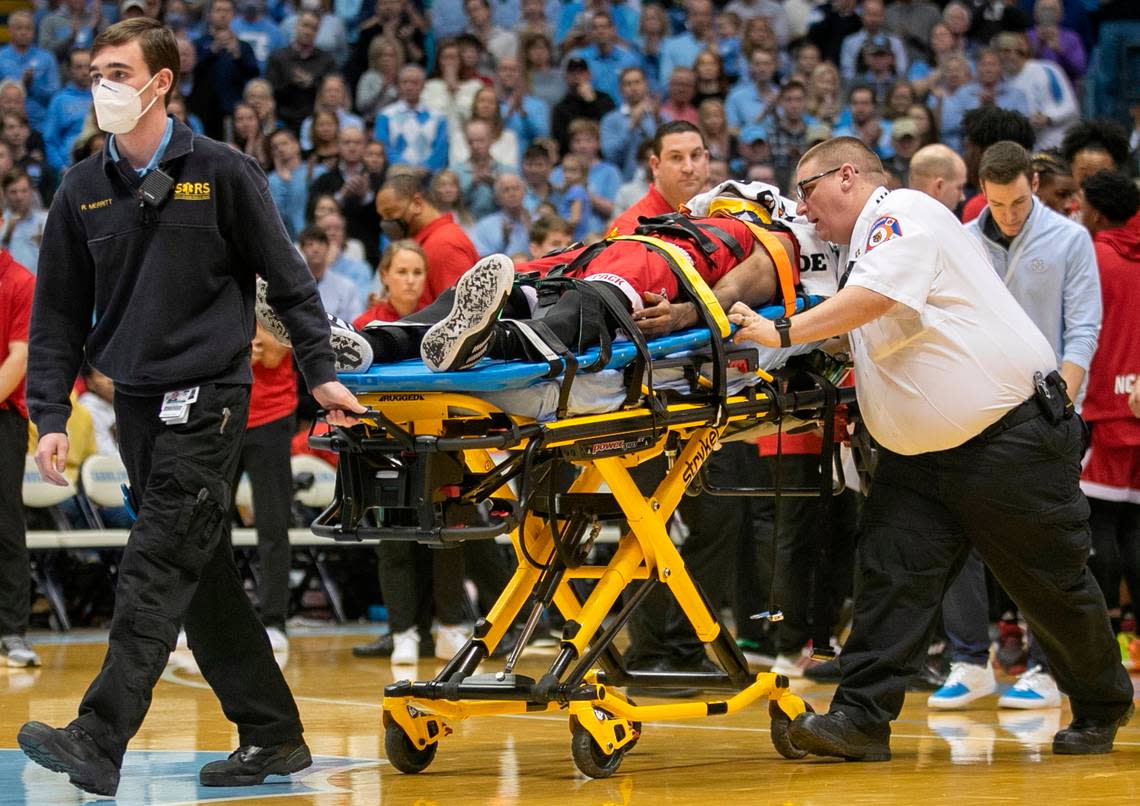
x: 13, y: 369
x: 752, y: 282
x: 1074, y: 376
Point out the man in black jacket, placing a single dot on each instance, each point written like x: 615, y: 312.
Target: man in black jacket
x: 158, y: 240
x: 354, y: 188
x: 580, y: 101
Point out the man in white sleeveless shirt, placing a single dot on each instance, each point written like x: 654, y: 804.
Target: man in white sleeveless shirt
x: 979, y: 448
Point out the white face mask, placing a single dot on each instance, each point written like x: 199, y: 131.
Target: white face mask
x: 117, y: 106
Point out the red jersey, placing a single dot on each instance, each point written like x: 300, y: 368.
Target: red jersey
x: 16, y: 288
x: 1116, y: 365
x: 273, y: 394
x: 636, y: 268
x: 651, y: 204
x: 449, y: 253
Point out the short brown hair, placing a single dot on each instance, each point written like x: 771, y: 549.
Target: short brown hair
x: 541, y: 228
x: 394, y: 248
x: 159, y: 48
x: 1003, y: 162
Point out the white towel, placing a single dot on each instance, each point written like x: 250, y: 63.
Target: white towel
x: 762, y: 192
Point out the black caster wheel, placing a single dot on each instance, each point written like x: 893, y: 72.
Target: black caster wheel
x: 780, y: 738
x: 403, y: 754
x: 590, y: 758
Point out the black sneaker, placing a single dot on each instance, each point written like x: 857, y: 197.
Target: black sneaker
x: 382, y: 647
x: 1088, y: 737
x: 462, y: 337
x: 70, y: 750
x: 834, y: 734
x: 249, y: 765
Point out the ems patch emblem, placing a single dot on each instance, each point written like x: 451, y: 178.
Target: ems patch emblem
x: 883, y: 230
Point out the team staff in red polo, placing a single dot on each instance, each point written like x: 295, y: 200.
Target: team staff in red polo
x: 405, y: 211
x: 679, y: 165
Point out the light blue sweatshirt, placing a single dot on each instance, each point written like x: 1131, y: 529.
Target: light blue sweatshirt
x: 1050, y: 268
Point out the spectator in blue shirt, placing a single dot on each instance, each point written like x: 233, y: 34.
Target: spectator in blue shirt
x: 989, y: 88
x: 477, y: 174
x: 338, y: 295
x: 575, y: 18
x: 527, y: 116
x: 338, y: 261
x: 258, y: 31
x: 36, y: 69
x: 70, y: 27
x: 604, y: 56
x: 748, y: 101
x: 682, y: 50
x: 507, y: 229
x: 623, y: 129
x: 874, y: 18
x: 23, y: 224
x: 865, y: 122
x: 290, y: 179
x: 68, y: 110
x: 411, y: 133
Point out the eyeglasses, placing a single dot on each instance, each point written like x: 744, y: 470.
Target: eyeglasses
x: 802, y: 190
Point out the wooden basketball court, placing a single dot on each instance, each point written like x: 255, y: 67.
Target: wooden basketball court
x: 978, y: 756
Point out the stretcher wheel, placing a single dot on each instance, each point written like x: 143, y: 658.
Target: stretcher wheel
x: 780, y: 738
x: 402, y: 752
x: 590, y: 758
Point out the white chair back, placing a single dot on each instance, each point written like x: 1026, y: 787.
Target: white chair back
x: 103, y: 478
x: 321, y: 494
x: 40, y: 494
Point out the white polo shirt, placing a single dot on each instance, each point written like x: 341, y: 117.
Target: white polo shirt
x: 957, y: 351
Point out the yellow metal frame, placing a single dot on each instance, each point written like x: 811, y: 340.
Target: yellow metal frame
x: 643, y: 552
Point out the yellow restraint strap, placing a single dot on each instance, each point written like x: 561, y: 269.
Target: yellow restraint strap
x: 681, y: 263
x: 784, y: 274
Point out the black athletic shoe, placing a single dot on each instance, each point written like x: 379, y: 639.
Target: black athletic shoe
x: 834, y: 734
x: 1088, y: 737
x: 70, y: 750
x: 462, y: 337
x: 249, y: 765
x: 382, y: 647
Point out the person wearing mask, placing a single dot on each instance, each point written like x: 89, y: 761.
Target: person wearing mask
x: 998, y: 471
x: 68, y: 110
x: 405, y: 211
x: 940, y: 173
x: 295, y: 71
x: 181, y: 403
x: 1048, y: 264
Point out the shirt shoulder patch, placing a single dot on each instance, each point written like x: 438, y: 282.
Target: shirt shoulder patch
x: 883, y: 230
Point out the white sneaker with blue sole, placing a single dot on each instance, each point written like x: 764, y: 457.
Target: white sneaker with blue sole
x: 1036, y: 688
x: 965, y: 683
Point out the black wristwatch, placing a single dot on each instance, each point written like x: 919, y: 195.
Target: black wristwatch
x: 783, y: 325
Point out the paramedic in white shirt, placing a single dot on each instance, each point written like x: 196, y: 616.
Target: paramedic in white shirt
x: 978, y: 448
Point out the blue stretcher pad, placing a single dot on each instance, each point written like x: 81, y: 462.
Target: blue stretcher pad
x: 495, y: 375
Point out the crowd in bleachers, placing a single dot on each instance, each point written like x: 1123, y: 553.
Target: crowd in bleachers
x: 529, y: 122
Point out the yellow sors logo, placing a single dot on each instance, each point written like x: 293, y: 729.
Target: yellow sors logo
x: 95, y: 205
x: 192, y: 191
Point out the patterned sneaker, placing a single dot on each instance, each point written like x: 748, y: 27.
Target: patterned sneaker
x: 966, y: 682
x: 267, y: 317
x: 1034, y: 689
x: 353, y: 351
x: 461, y: 338
x: 16, y: 652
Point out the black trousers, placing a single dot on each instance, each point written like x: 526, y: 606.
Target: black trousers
x: 1116, y: 548
x: 178, y: 569
x: 1015, y: 498
x: 564, y: 318
x: 658, y: 629
x: 15, y: 573
x: 413, y: 578
x: 265, y: 456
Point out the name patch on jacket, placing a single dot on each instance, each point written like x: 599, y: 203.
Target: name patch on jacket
x: 192, y: 191
x: 882, y: 231
x: 95, y: 205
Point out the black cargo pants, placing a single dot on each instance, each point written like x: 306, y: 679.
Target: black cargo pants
x: 178, y: 569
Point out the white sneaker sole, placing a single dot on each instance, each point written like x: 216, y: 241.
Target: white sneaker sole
x: 461, y: 338
x: 352, y: 350
x: 961, y: 701
x: 1029, y: 705
x: 267, y: 317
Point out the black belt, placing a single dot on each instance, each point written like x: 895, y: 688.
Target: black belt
x: 1022, y: 413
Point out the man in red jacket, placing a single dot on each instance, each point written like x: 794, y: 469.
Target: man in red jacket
x: 406, y: 212
x: 1111, y: 477
x: 679, y: 165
